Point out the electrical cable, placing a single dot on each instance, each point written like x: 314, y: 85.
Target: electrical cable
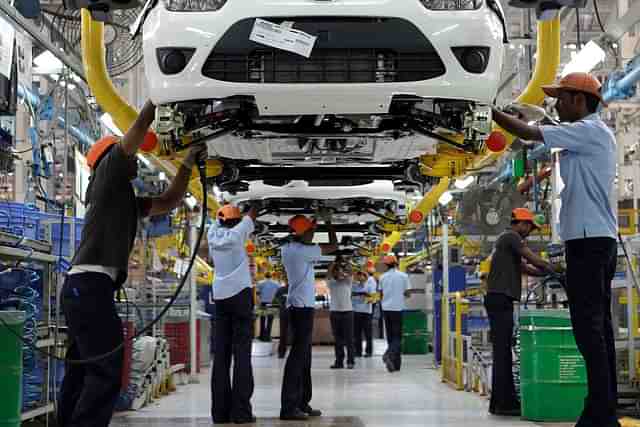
x: 595, y: 8
x: 203, y: 177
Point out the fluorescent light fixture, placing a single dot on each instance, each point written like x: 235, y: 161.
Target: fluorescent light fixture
x: 445, y: 198
x: 144, y: 160
x: 162, y: 176
x: 108, y: 122
x: 191, y: 202
x: 46, y: 63
x: 585, y: 60
x: 461, y: 184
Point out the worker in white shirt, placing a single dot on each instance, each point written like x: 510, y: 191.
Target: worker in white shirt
x: 233, y: 298
x: 363, y: 288
x: 394, y: 285
x: 298, y: 258
x: 266, y: 291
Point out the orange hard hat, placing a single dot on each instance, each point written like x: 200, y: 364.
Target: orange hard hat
x: 389, y: 260
x: 300, y: 224
x: 228, y: 212
x: 98, y: 149
x: 575, y: 82
x: 523, y: 214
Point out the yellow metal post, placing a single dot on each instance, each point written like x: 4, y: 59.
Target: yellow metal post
x: 459, y: 342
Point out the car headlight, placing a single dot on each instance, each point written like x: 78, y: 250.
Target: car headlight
x: 452, y: 4
x: 194, y: 5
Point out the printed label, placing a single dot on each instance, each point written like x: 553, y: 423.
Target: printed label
x: 571, y: 368
x: 282, y: 37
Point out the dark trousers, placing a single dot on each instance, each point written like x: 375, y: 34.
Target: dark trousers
x: 393, y: 324
x: 503, y: 392
x: 296, y: 384
x: 342, y: 327
x: 362, y: 327
x: 89, y: 391
x: 234, y: 333
x: 591, y: 265
x: 266, y: 323
x: 284, y: 333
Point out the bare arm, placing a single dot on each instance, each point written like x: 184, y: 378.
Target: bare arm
x: 134, y: 137
x: 332, y: 246
x: 535, y: 260
x: 532, y: 271
x: 517, y: 127
x: 171, y: 198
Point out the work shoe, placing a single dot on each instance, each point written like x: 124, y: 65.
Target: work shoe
x: 311, y: 412
x: 337, y: 366
x: 351, y: 365
x: 250, y: 420
x: 388, y: 363
x: 368, y: 355
x: 513, y: 412
x: 296, y: 415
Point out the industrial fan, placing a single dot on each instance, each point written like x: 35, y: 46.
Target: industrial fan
x: 122, y: 51
x: 487, y: 210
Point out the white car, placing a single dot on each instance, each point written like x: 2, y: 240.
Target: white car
x: 323, y: 81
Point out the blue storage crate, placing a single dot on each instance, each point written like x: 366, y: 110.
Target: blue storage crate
x: 159, y: 226
x: 66, y: 238
x: 21, y: 220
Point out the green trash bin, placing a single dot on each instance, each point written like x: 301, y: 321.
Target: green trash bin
x: 553, y: 379
x: 11, y: 367
x: 415, y: 335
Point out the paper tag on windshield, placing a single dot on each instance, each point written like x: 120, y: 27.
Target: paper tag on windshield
x: 282, y: 37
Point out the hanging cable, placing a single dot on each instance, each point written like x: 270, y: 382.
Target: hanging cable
x: 578, y: 38
x: 595, y: 8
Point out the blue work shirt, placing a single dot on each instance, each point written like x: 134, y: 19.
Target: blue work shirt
x: 359, y: 301
x: 298, y: 260
x: 267, y: 290
x: 393, y: 284
x: 226, y: 247
x: 588, y: 170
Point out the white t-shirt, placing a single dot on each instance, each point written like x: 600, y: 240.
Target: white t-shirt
x: 298, y: 260
x: 226, y: 247
x: 393, y: 284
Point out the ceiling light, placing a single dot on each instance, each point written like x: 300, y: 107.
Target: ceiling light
x: 191, y: 202
x: 445, y: 198
x: 108, y: 122
x: 144, y: 160
x: 162, y: 176
x: 585, y: 60
x: 461, y: 184
x: 46, y: 63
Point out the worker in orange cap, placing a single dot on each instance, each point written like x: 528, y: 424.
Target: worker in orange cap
x: 504, y: 287
x: 99, y: 267
x: 588, y: 226
x: 233, y: 296
x: 394, y: 285
x: 298, y: 258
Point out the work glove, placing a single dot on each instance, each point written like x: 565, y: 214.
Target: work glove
x: 525, y: 112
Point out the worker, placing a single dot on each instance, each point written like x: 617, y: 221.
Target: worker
x: 341, y: 311
x: 298, y: 258
x: 394, y: 285
x: 266, y: 291
x: 280, y: 299
x: 363, y: 288
x: 233, y: 296
x: 504, y: 287
x: 99, y: 268
x: 588, y: 226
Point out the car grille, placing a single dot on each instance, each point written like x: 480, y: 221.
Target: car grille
x: 347, y: 51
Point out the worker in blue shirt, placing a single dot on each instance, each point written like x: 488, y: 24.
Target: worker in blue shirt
x: 393, y: 285
x: 298, y: 258
x: 363, y: 288
x: 266, y: 291
x: 588, y: 227
x: 233, y: 298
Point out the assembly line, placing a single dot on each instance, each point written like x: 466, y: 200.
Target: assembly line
x: 339, y: 212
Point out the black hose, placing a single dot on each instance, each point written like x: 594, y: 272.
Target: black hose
x: 174, y: 297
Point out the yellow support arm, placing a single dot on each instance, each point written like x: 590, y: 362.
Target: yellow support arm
x: 390, y: 241
x: 548, y: 59
x: 429, y: 201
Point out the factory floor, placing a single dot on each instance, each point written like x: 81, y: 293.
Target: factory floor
x: 365, y: 396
